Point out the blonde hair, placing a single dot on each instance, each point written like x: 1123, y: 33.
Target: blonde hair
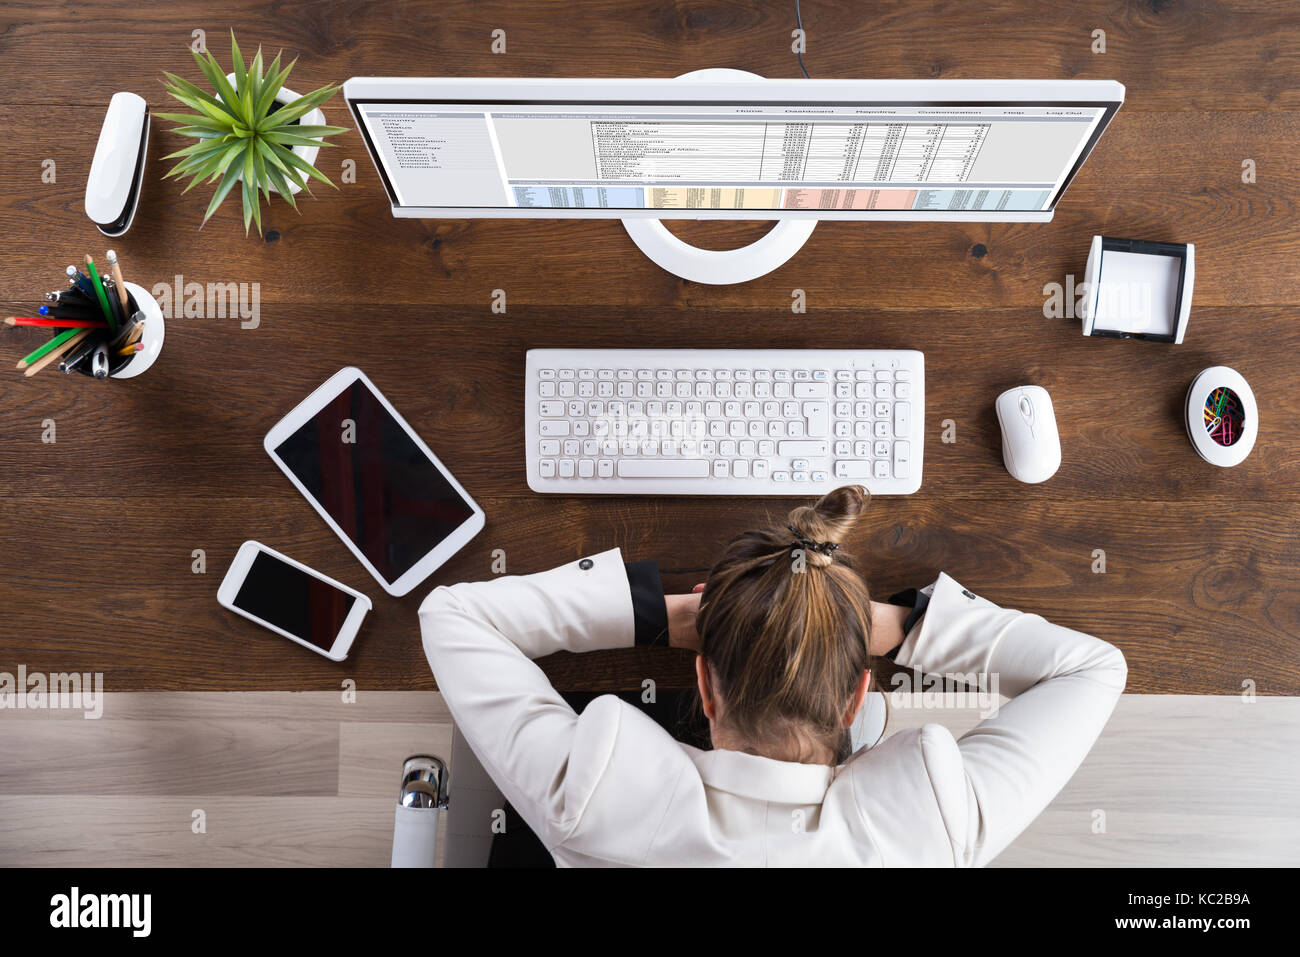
x: 784, y: 626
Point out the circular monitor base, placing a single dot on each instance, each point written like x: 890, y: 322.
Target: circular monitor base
x: 719, y: 267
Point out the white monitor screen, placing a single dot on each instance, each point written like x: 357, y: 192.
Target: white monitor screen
x: 851, y: 158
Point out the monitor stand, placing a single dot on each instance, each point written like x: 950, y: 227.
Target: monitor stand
x: 719, y: 267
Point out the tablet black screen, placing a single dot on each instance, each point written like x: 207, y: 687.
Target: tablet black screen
x: 368, y: 474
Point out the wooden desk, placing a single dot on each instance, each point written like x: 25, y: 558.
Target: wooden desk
x: 97, y: 530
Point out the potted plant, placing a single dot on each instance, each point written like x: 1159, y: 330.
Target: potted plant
x: 252, y: 131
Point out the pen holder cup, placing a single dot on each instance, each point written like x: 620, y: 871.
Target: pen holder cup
x: 127, y: 367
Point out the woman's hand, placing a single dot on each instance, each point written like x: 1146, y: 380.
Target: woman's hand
x: 887, y: 626
x: 682, y: 610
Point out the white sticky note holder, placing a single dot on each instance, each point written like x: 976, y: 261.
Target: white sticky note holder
x: 1138, y: 290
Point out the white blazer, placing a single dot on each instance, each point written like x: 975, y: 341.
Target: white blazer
x: 611, y: 787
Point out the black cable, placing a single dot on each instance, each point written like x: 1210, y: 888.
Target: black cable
x: 798, y: 17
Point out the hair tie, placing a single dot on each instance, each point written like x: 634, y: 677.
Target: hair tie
x: 823, y: 548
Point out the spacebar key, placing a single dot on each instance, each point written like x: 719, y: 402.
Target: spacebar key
x: 663, y: 468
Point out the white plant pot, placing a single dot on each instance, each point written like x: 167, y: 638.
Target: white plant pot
x: 305, y: 153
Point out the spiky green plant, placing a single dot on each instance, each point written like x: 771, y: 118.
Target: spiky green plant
x: 240, y: 135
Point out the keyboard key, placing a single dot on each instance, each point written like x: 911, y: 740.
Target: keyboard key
x: 605, y: 468
x: 902, y: 459
x: 806, y: 448
x: 818, y: 415
x: 852, y: 469
x: 902, y: 419
x: 546, y: 468
x: 812, y: 390
x: 553, y: 427
x: 551, y: 410
x: 663, y: 468
x: 586, y: 468
x: 546, y: 373
x: 566, y: 468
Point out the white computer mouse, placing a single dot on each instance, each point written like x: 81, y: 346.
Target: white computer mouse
x: 1031, y: 446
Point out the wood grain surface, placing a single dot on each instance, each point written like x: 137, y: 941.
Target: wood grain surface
x: 98, y: 530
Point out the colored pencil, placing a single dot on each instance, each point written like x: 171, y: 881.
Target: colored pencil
x: 51, y: 355
x: 55, y: 322
x: 99, y: 292
x: 54, y: 343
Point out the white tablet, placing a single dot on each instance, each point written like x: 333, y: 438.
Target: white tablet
x: 370, y: 477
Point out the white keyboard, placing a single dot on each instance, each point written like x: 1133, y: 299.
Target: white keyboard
x: 723, y: 421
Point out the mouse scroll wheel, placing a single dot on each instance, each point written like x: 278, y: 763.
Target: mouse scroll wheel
x: 1027, y: 408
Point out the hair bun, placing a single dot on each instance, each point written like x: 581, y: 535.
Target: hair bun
x: 829, y: 521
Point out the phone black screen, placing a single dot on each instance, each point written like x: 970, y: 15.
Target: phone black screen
x: 290, y: 599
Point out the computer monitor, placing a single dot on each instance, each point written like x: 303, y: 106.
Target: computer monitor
x: 729, y: 145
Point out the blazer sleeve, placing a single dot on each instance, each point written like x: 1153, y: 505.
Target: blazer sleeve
x: 480, y: 639
x: 1063, y: 685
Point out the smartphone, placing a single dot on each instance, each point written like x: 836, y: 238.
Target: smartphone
x: 293, y: 600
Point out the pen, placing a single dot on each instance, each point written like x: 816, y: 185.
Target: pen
x: 99, y: 362
x: 69, y: 312
x: 77, y: 356
x: 111, y: 256
x: 114, y: 307
x: 127, y: 332
x: 81, y: 281
x: 70, y: 296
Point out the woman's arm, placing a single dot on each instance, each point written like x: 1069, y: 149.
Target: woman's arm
x: 1063, y: 685
x: 480, y: 638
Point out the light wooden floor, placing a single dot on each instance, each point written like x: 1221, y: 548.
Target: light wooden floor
x: 304, y: 779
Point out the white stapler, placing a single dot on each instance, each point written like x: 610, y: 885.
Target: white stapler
x: 117, y: 171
